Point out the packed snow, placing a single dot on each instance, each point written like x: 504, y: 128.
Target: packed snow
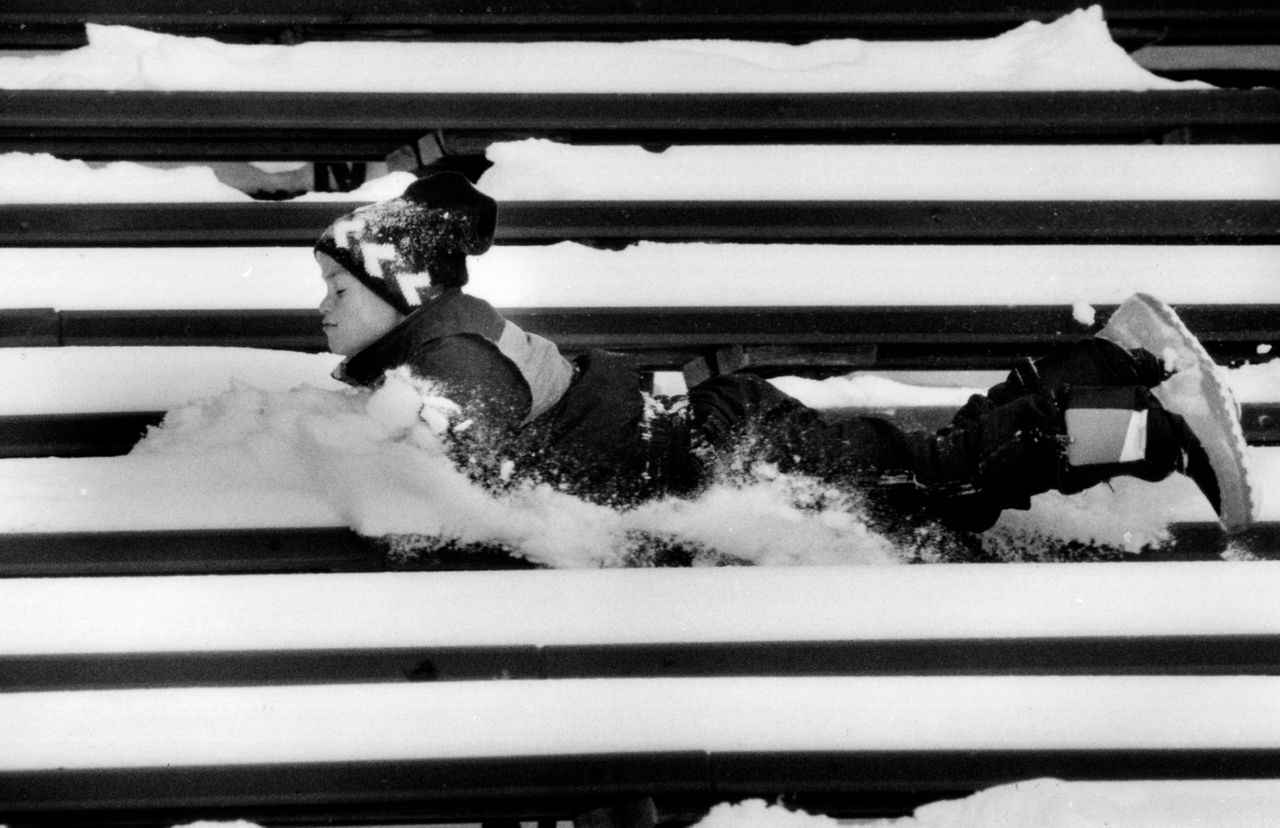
x: 539, y: 169
x: 40, y: 178
x: 1073, y: 52
x: 1050, y: 803
x: 966, y: 603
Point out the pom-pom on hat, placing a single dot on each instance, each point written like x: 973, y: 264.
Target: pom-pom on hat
x: 404, y: 247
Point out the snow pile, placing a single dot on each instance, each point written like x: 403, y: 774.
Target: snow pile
x: 370, y: 459
x: 1074, y: 52
x: 1050, y: 803
x: 540, y: 169
x: 87, y: 380
x: 379, y: 471
x: 44, y: 179
x: 382, y: 188
x: 862, y: 390
x: 1125, y: 514
x: 1043, y: 803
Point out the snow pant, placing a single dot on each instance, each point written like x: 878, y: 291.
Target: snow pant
x: 1067, y: 422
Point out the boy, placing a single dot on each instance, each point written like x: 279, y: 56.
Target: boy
x: 1104, y: 407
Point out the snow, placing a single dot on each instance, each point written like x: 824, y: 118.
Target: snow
x: 582, y: 607
x: 221, y: 461
x: 537, y: 169
x: 1052, y: 803
x: 238, y: 726
x: 44, y: 179
x: 1073, y: 52
x: 76, y: 380
x: 1044, y: 802
x: 40, y: 178
x: 655, y: 274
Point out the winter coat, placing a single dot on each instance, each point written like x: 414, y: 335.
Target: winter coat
x: 579, y: 425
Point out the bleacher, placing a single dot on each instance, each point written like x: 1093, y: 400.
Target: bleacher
x: 307, y: 685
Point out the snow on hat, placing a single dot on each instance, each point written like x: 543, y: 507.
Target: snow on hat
x: 403, y: 247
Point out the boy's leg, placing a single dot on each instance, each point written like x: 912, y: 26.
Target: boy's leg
x: 997, y: 458
x: 745, y: 413
x: 965, y: 474
x: 1068, y: 440
x: 1145, y: 344
x: 1090, y: 361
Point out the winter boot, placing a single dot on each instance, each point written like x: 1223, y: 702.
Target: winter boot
x: 1196, y: 393
x: 1090, y: 361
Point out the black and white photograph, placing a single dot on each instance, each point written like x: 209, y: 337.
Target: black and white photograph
x: 639, y: 413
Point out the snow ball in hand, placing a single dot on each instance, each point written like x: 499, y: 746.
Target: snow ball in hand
x: 1084, y: 313
x: 437, y: 412
x: 396, y: 403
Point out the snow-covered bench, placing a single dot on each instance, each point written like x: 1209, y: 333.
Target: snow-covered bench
x: 550, y: 695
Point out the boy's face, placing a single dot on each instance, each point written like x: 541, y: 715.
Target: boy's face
x: 354, y: 316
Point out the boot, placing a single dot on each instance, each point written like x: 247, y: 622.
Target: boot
x: 1196, y: 391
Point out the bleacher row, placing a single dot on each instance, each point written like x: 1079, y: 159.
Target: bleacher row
x: 304, y: 686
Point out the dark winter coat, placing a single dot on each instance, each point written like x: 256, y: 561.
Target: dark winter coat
x: 579, y: 424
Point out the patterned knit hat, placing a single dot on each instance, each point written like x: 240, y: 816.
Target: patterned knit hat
x: 403, y: 247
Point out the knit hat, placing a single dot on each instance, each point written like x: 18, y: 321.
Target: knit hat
x: 403, y: 247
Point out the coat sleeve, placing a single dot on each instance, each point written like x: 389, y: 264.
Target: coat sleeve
x: 474, y: 374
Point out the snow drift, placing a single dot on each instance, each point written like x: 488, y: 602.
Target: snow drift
x: 1074, y: 52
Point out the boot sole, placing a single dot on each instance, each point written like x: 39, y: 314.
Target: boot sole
x: 1198, y: 392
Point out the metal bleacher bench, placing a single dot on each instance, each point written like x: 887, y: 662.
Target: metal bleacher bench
x: 304, y: 685
x: 631, y: 697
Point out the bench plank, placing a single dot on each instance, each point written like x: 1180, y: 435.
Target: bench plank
x: 319, y: 126
x: 1180, y: 655
x: 60, y: 23
x: 618, y: 223
x: 454, y: 746
x: 884, y: 337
